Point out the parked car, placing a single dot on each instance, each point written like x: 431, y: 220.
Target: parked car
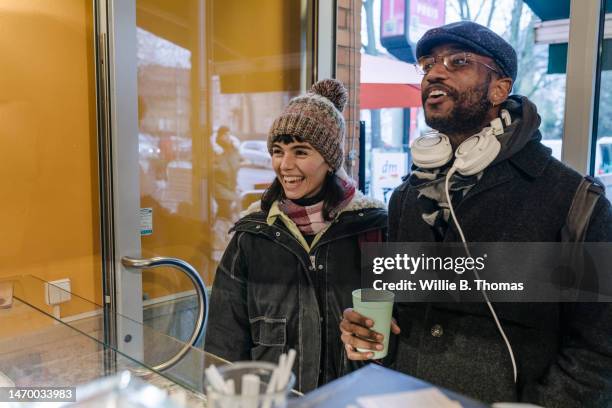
x: 148, y: 146
x: 255, y: 153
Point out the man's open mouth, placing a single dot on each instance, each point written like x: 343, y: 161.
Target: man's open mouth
x: 436, y: 96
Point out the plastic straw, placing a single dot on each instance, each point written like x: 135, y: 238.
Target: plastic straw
x: 286, y: 370
x: 270, y: 389
x: 250, y: 388
x: 273, y: 380
x: 231, y: 391
x: 215, y: 379
x: 230, y: 387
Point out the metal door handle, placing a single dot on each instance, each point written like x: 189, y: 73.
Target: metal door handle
x: 200, y: 287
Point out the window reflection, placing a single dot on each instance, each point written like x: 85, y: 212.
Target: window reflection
x: 212, y: 76
x: 164, y: 139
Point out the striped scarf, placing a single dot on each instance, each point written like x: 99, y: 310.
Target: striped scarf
x: 435, y: 210
x: 309, y: 219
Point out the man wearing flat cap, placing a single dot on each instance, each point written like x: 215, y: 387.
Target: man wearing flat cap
x: 561, y: 352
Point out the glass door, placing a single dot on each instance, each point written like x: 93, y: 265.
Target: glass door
x: 193, y: 87
x: 601, y: 147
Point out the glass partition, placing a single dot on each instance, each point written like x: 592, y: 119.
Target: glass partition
x: 57, y: 350
x: 62, y: 349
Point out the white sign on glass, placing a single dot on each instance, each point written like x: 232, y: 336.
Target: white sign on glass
x: 387, y: 171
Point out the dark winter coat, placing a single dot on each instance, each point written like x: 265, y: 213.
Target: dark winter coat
x: 264, y: 298
x: 563, y: 350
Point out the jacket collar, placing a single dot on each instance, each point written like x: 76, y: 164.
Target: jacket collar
x: 532, y: 159
x: 360, y: 215
x: 359, y: 202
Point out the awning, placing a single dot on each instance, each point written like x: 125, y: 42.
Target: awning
x: 377, y: 96
x: 548, y: 10
x: 554, y: 30
x: 388, y: 83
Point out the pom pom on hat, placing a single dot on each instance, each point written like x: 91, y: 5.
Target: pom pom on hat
x: 333, y: 90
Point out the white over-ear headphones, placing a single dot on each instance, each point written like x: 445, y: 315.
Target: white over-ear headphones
x: 471, y: 157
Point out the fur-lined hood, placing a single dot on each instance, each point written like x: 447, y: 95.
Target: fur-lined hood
x: 359, y: 202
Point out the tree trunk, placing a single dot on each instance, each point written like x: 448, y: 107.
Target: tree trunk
x: 370, y: 48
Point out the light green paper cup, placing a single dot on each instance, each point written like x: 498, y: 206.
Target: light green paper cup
x: 379, y: 309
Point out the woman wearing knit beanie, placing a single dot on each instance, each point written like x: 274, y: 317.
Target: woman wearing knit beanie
x: 294, y: 259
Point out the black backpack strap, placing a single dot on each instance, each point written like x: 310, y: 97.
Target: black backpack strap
x: 577, y: 223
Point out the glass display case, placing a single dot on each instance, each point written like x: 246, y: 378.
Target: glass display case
x: 39, y: 348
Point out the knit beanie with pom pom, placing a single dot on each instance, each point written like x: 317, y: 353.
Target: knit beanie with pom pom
x: 316, y: 117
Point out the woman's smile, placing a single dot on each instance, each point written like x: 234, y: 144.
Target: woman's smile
x: 300, y: 168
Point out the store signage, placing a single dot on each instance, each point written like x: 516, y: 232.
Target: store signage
x: 387, y: 171
x: 146, y: 221
x: 425, y: 14
x: 393, y: 19
x: 403, y: 23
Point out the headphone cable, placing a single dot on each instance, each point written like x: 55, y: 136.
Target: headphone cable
x: 467, y: 250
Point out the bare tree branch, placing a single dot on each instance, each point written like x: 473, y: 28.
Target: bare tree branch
x: 480, y: 10
x: 537, y: 85
x: 370, y: 48
x: 464, y: 8
x: 455, y: 6
x: 491, y: 11
x: 515, y: 23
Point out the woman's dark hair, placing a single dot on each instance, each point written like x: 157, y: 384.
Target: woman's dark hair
x: 332, y: 191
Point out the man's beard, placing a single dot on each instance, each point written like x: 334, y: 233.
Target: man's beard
x: 468, y: 114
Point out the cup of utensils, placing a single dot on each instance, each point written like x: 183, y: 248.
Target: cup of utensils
x: 250, y: 384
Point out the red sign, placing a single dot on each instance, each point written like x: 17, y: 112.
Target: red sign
x: 393, y: 19
x: 425, y: 14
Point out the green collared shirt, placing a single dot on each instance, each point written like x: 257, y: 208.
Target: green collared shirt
x: 275, y: 212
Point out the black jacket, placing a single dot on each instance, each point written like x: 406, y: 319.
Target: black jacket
x: 563, y: 350
x: 264, y: 298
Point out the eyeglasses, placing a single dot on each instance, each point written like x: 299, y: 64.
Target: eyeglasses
x: 452, y: 62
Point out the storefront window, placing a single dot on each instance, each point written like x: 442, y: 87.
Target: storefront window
x: 390, y: 30
x: 601, y: 159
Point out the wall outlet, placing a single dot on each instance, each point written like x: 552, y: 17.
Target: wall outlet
x: 57, y: 292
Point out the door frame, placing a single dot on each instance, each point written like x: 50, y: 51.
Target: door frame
x: 117, y: 109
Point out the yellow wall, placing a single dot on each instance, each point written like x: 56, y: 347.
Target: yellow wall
x: 29, y: 301
x: 48, y: 160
